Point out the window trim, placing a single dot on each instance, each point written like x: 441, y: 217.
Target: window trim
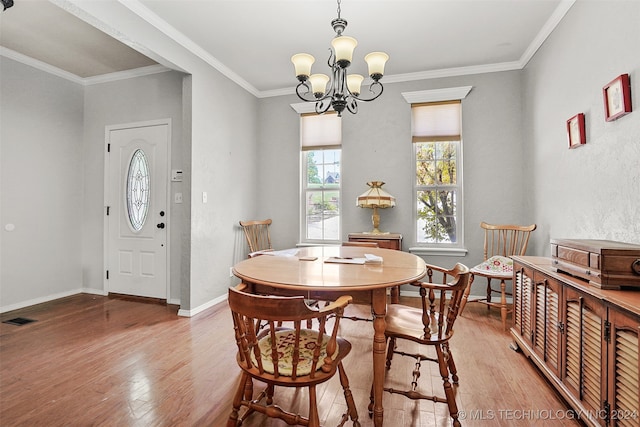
x: 433, y: 96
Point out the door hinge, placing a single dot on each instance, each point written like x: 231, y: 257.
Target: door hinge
x: 606, y: 406
x: 607, y: 331
x: 108, y: 147
x: 108, y: 207
x: 560, y: 326
x: 107, y: 274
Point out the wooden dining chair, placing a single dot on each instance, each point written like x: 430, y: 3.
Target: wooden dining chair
x: 430, y: 326
x: 500, y: 243
x: 258, y: 235
x: 286, y: 356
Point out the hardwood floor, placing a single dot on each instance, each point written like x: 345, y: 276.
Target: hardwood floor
x: 91, y: 360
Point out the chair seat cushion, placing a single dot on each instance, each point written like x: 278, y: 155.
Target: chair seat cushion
x: 285, y: 344
x: 496, y: 266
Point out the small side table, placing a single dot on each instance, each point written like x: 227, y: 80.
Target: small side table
x: 386, y: 241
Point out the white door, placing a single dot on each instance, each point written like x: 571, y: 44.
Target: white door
x: 137, y: 221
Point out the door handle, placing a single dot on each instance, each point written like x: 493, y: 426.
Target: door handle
x: 161, y: 225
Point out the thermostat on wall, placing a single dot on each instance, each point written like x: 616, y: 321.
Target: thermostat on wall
x: 176, y: 175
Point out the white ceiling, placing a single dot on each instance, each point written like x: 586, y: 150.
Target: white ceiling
x: 254, y: 40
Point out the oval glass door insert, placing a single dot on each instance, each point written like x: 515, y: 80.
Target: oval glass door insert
x: 138, y: 193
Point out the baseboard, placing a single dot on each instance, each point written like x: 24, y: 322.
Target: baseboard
x: 39, y: 300
x: 94, y: 292
x: 203, y: 307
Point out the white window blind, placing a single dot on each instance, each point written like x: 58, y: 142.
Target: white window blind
x: 436, y: 121
x: 321, y: 131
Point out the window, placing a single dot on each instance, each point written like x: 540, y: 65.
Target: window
x: 436, y: 137
x: 321, y: 137
x: 138, y: 190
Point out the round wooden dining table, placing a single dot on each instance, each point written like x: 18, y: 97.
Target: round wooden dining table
x: 326, y: 272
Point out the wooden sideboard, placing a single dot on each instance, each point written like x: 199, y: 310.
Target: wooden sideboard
x: 384, y: 240
x: 583, y: 339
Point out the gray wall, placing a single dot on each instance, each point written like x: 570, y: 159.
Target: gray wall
x: 41, y: 185
x: 377, y: 146
x: 592, y: 191
x: 52, y: 186
x: 517, y: 165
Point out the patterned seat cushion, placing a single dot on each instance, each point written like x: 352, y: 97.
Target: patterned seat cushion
x: 285, y: 343
x: 499, y: 266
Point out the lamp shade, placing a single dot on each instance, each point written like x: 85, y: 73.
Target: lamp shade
x: 319, y: 84
x: 343, y: 47
x: 376, y: 197
x: 376, y: 62
x: 354, y: 81
x: 302, y: 63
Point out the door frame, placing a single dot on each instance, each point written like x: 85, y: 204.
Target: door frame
x: 106, y: 198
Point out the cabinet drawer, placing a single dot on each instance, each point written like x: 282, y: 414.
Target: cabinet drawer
x: 572, y: 255
x: 385, y: 241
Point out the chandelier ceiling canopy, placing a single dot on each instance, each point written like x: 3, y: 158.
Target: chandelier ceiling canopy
x: 339, y: 90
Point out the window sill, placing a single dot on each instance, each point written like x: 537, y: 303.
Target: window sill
x: 458, y: 252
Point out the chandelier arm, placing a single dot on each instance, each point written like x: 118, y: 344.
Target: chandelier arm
x: 331, y: 61
x: 371, y: 86
x: 322, y: 106
x: 310, y: 97
x: 301, y: 95
x: 352, y: 105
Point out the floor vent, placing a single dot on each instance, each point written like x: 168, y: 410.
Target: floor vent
x: 18, y: 321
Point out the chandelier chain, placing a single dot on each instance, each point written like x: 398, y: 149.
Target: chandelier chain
x: 339, y: 9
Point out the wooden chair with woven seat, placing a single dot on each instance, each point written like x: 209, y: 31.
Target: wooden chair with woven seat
x: 429, y: 326
x: 258, y: 235
x: 500, y: 243
x: 286, y: 356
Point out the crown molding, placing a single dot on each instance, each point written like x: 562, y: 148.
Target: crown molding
x: 42, y: 66
x: 546, y: 30
x: 87, y: 81
x: 127, y: 74
x: 537, y: 42
x: 437, y: 95
x: 143, y: 12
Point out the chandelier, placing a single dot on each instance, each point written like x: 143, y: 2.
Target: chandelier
x: 343, y: 90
